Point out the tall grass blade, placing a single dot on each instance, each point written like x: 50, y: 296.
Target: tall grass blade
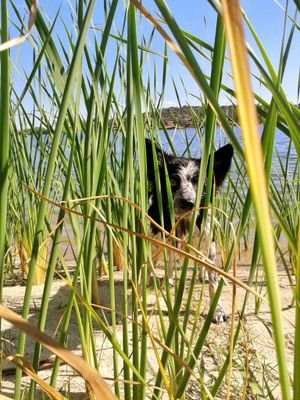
x: 74, y: 68
x: 215, y: 83
x: 91, y: 376
x: 297, y: 327
x: 4, y: 143
x: 139, y: 349
x: 255, y: 169
x: 55, y: 64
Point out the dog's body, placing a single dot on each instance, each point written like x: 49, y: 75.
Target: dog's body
x: 183, y: 174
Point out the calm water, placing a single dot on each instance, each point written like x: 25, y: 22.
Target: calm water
x: 181, y: 138
x: 189, y: 138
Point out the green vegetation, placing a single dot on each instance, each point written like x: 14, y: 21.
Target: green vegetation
x: 73, y: 203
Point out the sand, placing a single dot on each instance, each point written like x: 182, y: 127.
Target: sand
x: 255, y: 348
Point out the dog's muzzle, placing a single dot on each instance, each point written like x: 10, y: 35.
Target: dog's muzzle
x: 183, y: 206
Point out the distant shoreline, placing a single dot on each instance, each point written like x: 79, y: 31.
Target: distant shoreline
x: 190, y: 116
x: 179, y: 117
x: 185, y: 117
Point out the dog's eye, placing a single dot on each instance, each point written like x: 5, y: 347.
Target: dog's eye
x: 173, y: 182
x: 195, y: 179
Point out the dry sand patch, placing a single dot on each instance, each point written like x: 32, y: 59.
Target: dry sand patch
x: 255, y: 341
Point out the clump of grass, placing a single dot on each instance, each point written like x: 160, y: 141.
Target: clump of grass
x: 82, y: 154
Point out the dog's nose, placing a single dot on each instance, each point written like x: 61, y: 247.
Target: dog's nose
x: 187, y: 205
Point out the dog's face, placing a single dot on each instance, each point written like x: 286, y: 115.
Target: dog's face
x: 183, y: 174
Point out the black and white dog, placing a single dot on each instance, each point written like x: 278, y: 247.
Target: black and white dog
x: 183, y: 175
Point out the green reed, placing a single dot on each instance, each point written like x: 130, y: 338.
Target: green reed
x: 4, y: 144
x: 96, y: 99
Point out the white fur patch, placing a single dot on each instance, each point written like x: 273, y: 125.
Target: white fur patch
x: 187, y: 172
x: 187, y: 185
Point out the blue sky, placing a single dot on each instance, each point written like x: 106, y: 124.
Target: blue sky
x: 196, y: 17
x: 267, y: 18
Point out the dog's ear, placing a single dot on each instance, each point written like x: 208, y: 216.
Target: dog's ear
x: 222, y: 162
x: 150, y: 160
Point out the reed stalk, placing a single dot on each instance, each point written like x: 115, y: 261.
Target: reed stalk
x: 4, y: 145
x: 255, y: 168
x: 47, y: 186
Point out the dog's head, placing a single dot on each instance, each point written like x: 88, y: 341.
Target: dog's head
x: 183, y: 174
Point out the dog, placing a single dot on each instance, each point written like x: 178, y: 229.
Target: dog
x: 183, y: 174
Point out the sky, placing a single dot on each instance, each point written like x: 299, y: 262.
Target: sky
x: 267, y: 18
x: 195, y: 16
